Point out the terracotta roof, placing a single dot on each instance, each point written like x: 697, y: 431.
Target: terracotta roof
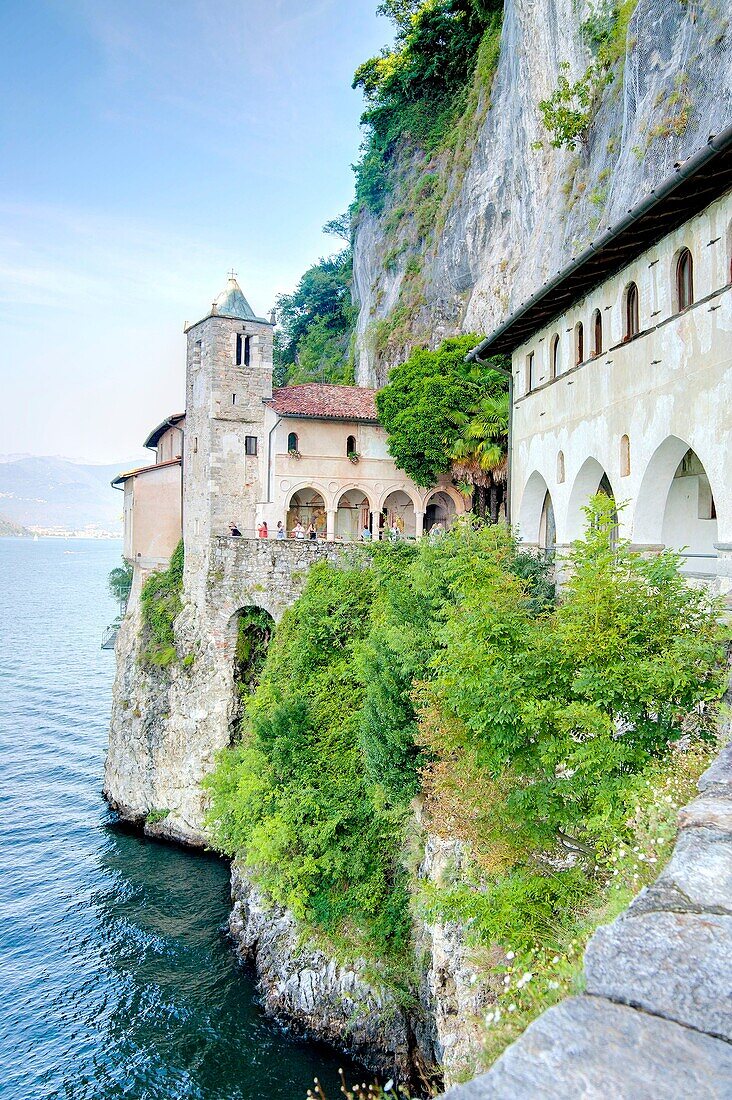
x: 169, y: 422
x: 145, y: 470
x: 318, y: 401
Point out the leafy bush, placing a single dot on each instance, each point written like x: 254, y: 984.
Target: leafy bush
x: 419, y: 405
x: 415, y: 90
x: 119, y: 582
x: 553, y: 722
x: 160, y: 602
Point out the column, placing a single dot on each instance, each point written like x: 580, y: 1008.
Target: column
x: 419, y: 524
x: 330, y: 524
x: 375, y: 516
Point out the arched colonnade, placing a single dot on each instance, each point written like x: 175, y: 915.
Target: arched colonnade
x: 344, y: 514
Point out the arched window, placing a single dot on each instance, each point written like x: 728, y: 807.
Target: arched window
x: 560, y: 468
x: 684, y: 280
x: 292, y: 443
x: 597, y: 333
x: 556, y: 358
x: 632, y: 323
x: 624, y: 456
x: 579, y: 343
x: 350, y: 446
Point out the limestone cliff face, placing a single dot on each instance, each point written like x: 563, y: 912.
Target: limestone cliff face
x: 518, y: 210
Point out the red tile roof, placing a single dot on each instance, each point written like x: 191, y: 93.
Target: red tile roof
x: 319, y: 401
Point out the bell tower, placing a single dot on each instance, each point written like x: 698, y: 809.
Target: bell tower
x: 228, y: 378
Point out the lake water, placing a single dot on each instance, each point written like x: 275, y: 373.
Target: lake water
x: 117, y: 979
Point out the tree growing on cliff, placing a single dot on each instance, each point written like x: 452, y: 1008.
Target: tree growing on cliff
x: 316, y: 323
x: 428, y: 404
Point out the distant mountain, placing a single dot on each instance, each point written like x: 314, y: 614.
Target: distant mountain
x: 55, y: 494
x: 13, y: 530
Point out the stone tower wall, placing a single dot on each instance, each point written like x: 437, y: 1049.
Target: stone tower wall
x: 224, y: 405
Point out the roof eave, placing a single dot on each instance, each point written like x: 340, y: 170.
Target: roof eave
x: 505, y: 338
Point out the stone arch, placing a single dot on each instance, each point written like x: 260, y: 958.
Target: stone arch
x: 249, y: 633
x: 440, y: 506
x: 398, y: 513
x: 532, y: 507
x: 591, y: 479
x: 305, y: 505
x: 353, y: 508
x: 676, y: 505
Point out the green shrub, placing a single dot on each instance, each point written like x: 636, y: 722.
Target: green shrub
x: 160, y: 602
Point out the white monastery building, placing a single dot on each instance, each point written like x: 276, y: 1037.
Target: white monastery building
x: 622, y: 378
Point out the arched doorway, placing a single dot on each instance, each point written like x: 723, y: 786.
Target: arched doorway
x: 307, y: 506
x: 690, y: 516
x: 535, y: 519
x: 676, y: 506
x: 590, y: 480
x: 353, y: 515
x: 251, y: 632
x: 440, y: 509
x: 547, y: 526
x: 398, y: 514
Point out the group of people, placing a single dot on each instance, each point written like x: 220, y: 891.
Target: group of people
x: 310, y: 532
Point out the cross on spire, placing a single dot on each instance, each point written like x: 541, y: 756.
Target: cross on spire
x: 232, y: 274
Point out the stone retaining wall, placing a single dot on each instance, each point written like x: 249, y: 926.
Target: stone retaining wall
x: 655, y: 1021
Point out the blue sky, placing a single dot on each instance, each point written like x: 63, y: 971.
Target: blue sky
x: 147, y: 147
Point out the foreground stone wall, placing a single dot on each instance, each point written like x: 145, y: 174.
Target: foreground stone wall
x: 656, y: 1018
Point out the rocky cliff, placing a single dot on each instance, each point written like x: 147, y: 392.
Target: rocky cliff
x: 506, y: 210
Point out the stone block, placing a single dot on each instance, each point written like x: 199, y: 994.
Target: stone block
x: 676, y: 965
x: 698, y: 876
x: 719, y: 773
x: 590, y: 1049
x: 710, y: 809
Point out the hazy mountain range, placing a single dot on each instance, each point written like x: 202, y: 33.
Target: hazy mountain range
x: 52, y: 494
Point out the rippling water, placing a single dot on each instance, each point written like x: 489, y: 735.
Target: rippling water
x: 117, y: 980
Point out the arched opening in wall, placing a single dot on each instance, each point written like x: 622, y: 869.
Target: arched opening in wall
x: 293, y: 444
x: 560, y: 468
x: 252, y: 629
x: 591, y: 479
x: 534, y: 511
x: 690, y: 516
x: 676, y: 508
x: 597, y: 333
x: 555, y: 361
x: 353, y: 515
x: 547, y: 526
x: 579, y: 343
x: 624, y: 456
x: 351, y: 451
x: 398, y: 519
x: 306, y: 507
x: 440, y: 510
x: 632, y: 314
x: 684, y: 281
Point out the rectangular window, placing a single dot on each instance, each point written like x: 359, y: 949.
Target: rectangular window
x: 237, y: 358
x: 247, y: 350
x: 233, y: 399
x: 195, y: 444
x: 250, y: 445
x: 529, y: 371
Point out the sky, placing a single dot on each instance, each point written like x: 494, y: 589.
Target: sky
x: 146, y: 149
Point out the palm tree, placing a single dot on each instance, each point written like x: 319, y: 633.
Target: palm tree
x: 480, y: 454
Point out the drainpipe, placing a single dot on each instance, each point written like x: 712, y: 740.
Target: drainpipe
x: 269, y: 460
x: 474, y: 357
